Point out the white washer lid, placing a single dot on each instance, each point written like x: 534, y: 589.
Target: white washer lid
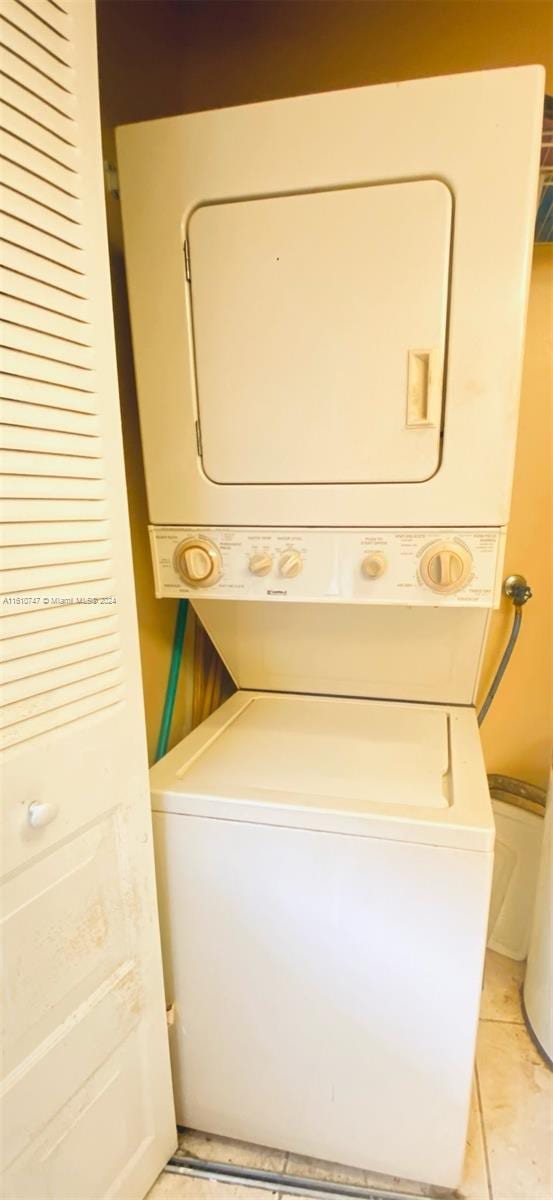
x: 374, y: 768
x: 337, y: 753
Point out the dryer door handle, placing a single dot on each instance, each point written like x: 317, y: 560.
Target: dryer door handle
x: 424, y: 388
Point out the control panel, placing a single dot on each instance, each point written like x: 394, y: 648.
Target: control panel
x: 460, y: 567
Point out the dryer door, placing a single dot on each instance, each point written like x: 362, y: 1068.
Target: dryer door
x: 319, y: 325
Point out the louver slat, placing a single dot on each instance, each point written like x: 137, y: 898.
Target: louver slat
x: 36, y: 391
x: 35, y: 511
x: 38, y: 416
x: 60, y: 658
x: 32, y: 686
x: 37, y: 265
x: 25, y: 558
x: 25, y: 152
x: 16, y: 337
x: 54, y: 15
x: 47, y: 441
x: 47, y: 144
x: 37, y: 579
x: 44, y: 320
x: 55, y: 122
x: 40, y: 22
x: 42, y: 465
x: 51, y: 487
x: 72, y: 711
x: 30, y: 718
x: 19, y: 536
x: 36, y: 216
x: 52, y: 75
x: 38, y: 621
x: 27, y: 648
x: 41, y: 89
x: 48, y: 683
x: 32, y: 185
x: 35, y: 241
x: 16, y: 362
x: 32, y: 291
x: 68, y: 654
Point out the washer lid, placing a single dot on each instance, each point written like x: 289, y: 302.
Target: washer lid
x: 348, y: 766
x: 338, y: 754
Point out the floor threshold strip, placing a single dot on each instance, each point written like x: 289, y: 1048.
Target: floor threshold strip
x: 289, y: 1185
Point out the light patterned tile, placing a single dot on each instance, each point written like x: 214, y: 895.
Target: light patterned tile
x: 516, y: 1089
x: 185, y: 1187
x: 475, y: 1176
x: 502, y: 983
x: 225, y: 1150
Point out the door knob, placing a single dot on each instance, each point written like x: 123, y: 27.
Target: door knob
x: 39, y: 815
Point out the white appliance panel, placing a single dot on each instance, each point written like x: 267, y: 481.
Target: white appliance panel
x: 426, y: 654
x: 350, y: 966
x: 317, y: 1008
x: 319, y: 325
x: 478, y: 134
x: 352, y: 566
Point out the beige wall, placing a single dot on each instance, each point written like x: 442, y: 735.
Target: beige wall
x: 159, y: 57
x: 517, y: 731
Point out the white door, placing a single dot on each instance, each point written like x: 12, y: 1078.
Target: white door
x: 86, y: 1094
x: 319, y: 325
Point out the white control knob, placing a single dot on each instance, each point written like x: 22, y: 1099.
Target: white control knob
x: 198, y: 562
x: 374, y: 565
x: 260, y: 564
x: 290, y: 564
x: 445, y: 566
x: 39, y: 815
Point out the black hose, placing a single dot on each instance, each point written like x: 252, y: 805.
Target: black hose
x: 503, y: 664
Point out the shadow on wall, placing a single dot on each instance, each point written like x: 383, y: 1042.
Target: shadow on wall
x: 156, y: 618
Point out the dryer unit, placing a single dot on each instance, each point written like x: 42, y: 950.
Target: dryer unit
x: 328, y: 298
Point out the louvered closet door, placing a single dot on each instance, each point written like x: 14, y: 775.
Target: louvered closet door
x: 87, y: 1104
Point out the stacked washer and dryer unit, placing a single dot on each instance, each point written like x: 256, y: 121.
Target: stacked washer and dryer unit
x: 328, y: 299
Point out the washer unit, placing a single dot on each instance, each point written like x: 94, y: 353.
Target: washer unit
x: 328, y: 299
x: 324, y: 873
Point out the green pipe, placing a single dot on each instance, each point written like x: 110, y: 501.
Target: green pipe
x: 173, y: 679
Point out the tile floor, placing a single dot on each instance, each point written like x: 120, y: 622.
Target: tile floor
x: 510, y: 1144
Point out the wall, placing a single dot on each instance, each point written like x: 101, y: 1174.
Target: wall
x: 517, y: 732
x: 159, y: 57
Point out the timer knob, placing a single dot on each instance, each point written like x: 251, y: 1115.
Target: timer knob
x: 290, y: 564
x: 260, y: 564
x: 445, y: 566
x: 374, y: 565
x: 198, y: 562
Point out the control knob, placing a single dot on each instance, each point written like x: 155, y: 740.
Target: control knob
x: 374, y: 565
x: 260, y: 564
x: 198, y: 562
x: 445, y: 566
x: 290, y: 564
